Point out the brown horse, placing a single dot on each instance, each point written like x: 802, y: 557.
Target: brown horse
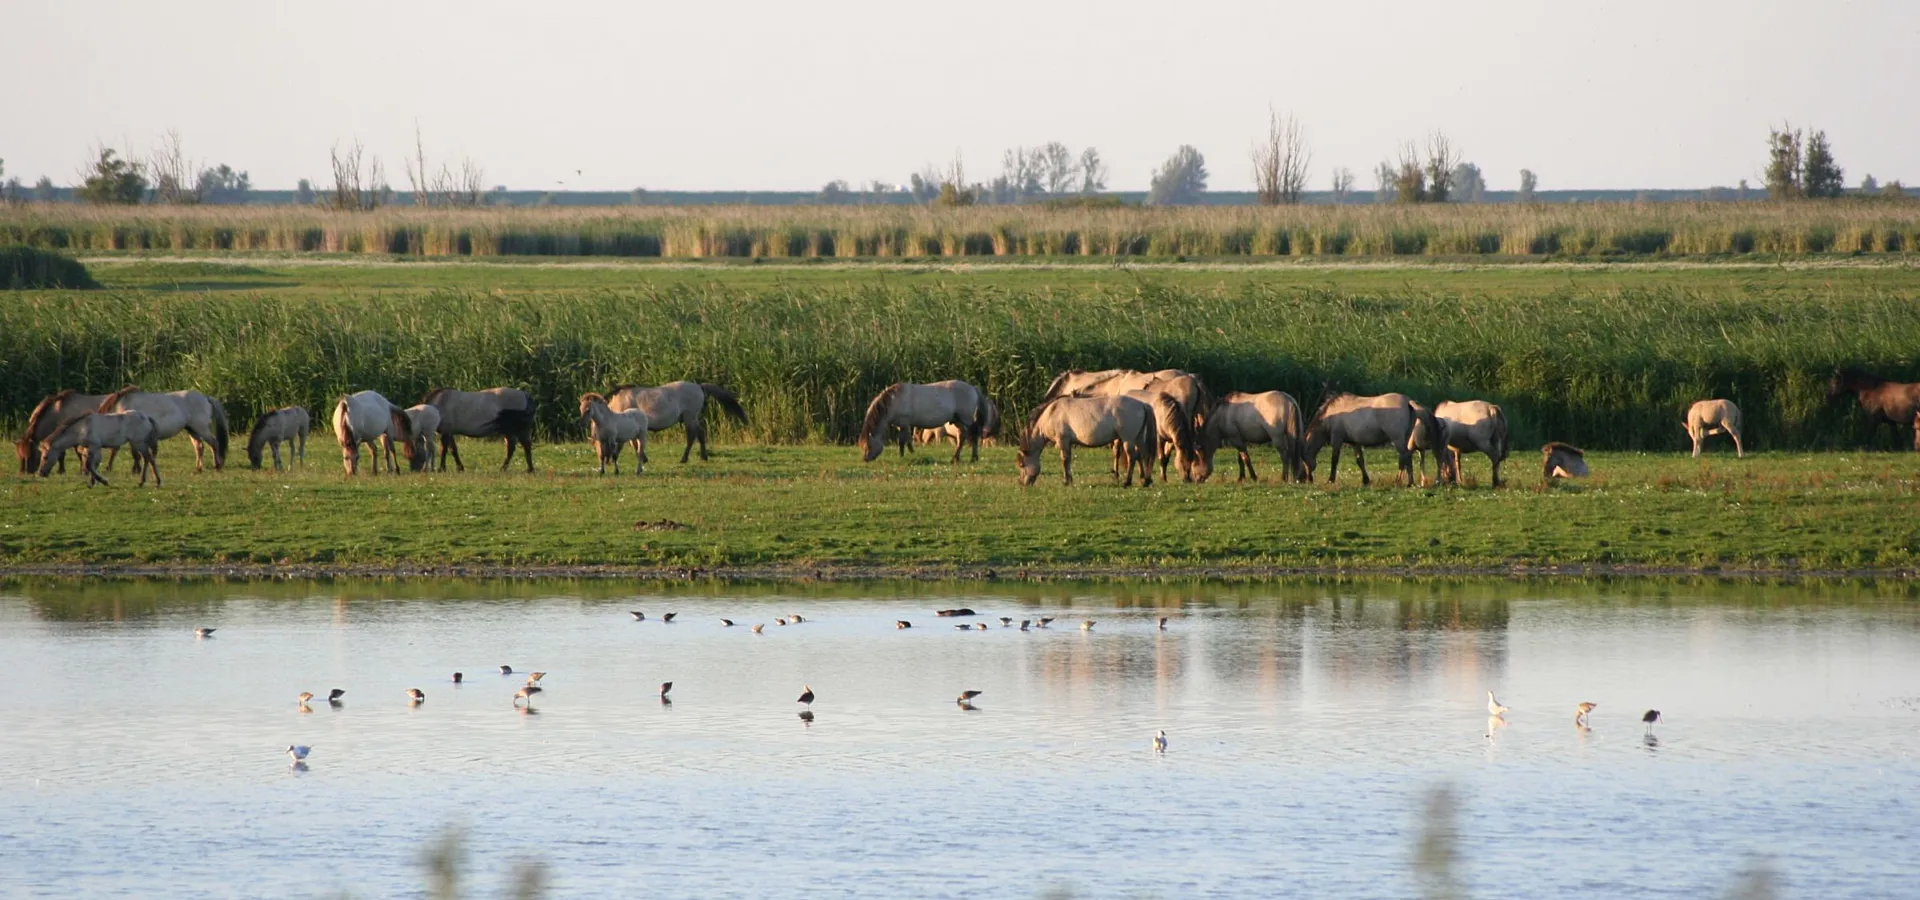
x: 51, y: 413
x: 495, y: 412
x: 1892, y: 402
x: 1239, y: 420
x: 676, y: 403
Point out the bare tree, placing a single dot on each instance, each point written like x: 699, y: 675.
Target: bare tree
x: 359, y: 182
x: 445, y: 186
x: 1409, y: 180
x: 1342, y: 184
x: 1442, y: 157
x: 1528, y: 181
x: 1058, y: 171
x: 1385, y: 182
x: 1093, y: 172
x: 175, y: 177
x: 1280, y: 160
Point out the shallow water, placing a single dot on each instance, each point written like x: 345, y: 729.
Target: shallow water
x: 1308, y: 723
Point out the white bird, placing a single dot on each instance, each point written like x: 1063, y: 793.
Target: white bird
x: 1493, y: 706
x: 1160, y: 741
x: 298, y: 752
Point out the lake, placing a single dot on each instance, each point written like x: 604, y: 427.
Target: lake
x: 1309, y: 723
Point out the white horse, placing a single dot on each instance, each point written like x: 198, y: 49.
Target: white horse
x: 93, y: 432
x: 200, y: 416
x: 424, y: 420
x: 1068, y: 422
x: 1711, y: 417
x: 1383, y: 421
x: 1241, y: 420
x: 288, y: 424
x: 368, y: 418
x: 677, y: 403
x: 924, y: 406
x: 612, y: 430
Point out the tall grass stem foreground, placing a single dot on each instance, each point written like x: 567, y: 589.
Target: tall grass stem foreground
x: 1607, y: 364
x: 852, y: 232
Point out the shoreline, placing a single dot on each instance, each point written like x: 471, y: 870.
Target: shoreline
x: 924, y: 573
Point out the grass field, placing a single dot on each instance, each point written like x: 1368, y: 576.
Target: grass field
x: 796, y: 508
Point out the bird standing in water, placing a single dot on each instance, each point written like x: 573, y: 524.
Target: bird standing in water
x: 795, y: 619
x: 668, y: 617
x: 526, y: 693
x: 1493, y: 706
x: 665, y: 686
x: 1163, y: 623
x: 902, y: 623
x: 1160, y: 741
x: 966, y: 696
x: 1651, y: 716
x: 638, y: 616
x: 806, y: 695
x: 1045, y: 621
x: 303, y: 698
x: 333, y: 696
x: 727, y: 622
x: 203, y: 632
x: 506, y: 670
x: 416, y: 696
x: 757, y: 629
x: 1087, y: 625
x: 298, y: 752
x: 1006, y: 621
x: 457, y: 678
x: 1580, y: 713
x: 534, y: 677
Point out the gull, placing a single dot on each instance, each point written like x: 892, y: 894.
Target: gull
x: 416, y: 696
x: 757, y: 628
x: 534, y: 677
x: 665, y: 686
x: 902, y: 623
x: 203, y: 632
x: 968, y: 695
x: 727, y: 622
x: 1493, y: 706
x: 806, y: 695
x: 1580, y: 714
x: 1087, y: 625
x: 1160, y: 741
x: 1652, y: 716
x: 526, y: 693
x: 638, y: 616
x: 298, y: 752
x: 668, y: 617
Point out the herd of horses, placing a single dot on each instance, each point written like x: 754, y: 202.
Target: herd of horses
x: 1162, y: 418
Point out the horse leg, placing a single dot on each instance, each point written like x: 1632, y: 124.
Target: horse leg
x: 509, y: 460
x: 1066, y: 460
x: 452, y: 443
x: 689, y: 449
x: 114, y: 452
x: 154, y: 464
x: 199, y: 451
x: 703, y: 441
x: 1246, y: 463
x: 1333, y: 465
x: 526, y: 449
x: 1496, y: 469
x: 1406, y: 465
x: 1694, y: 433
x: 1360, y: 459
x: 958, y: 446
x: 91, y: 462
x: 1740, y: 450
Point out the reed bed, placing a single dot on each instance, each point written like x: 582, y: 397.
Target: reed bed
x: 1607, y: 368
x: 883, y: 232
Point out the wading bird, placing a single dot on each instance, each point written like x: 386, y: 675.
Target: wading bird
x: 1045, y: 621
x: 1087, y: 625
x: 1024, y: 623
x: 806, y: 695
x: 795, y: 619
x: 1493, y: 706
x: 638, y: 616
x: 1163, y: 623
x: 526, y: 693
x: 304, y: 697
x: 780, y: 621
x: 665, y: 686
x: 963, y: 627
x: 506, y: 670
x: 334, y: 696
x: 1580, y: 713
x: 203, y: 632
x: 757, y: 628
x: 1652, y: 716
x: 668, y: 617
x: 1006, y: 621
x: 298, y: 752
x: 1160, y: 741
x: 534, y: 677
x: 727, y: 623
x: 416, y: 696
x: 902, y: 623
x: 968, y: 695
x: 457, y: 678
x: 980, y: 625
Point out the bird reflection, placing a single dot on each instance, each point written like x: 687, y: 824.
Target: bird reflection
x: 1653, y: 743
x: 1494, y: 724
x: 806, y: 718
x: 300, y: 767
x: 967, y: 707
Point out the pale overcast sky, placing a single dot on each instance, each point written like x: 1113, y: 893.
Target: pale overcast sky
x: 756, y: 94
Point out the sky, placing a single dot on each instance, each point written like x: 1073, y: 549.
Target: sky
x: 779, y: 95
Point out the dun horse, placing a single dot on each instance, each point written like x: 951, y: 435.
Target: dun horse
x: 1711, y: 417
x: 288, y: 424
x: 1383, y: 421
x: 611, y: 431
x: 92, y: 432
x: 1470, y: 425
x: 368, y: 418
x: 1240, y: 420
x: 200, y: 416
x: 1068, y: 422
x: 1891, y: 402
x: 1173, y: 424
x: 989, y: 431
x: 501, y: 412
x: 47, y: 417
x: 933, y: 405
x: 424, y: 423
x: 677, y: 403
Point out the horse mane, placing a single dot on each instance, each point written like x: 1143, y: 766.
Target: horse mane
x: 1059, y: 381
x: 68, y: 424
x: 1328, y: 394
x: 878, y: 409
x: 1559, y: 445
x: 115, y: 397
x: 433, y: 395
x: 594, y: 397
x: 1182, y: 422
x: 623, y: 387
x: 39, y: 412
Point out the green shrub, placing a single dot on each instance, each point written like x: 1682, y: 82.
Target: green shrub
x: 28, y: 269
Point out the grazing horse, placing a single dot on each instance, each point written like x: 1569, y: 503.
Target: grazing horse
x: 1892, y: 402
x: 424, y: 423
x: 1470, y: 425
x: 495, y: 412
x: 92, y: 432
x: 924, y: 406
x: 1386, y: 420
x: 52, y: 412
x: 1711, y: 417
x: 1071, y: 421
x: 1242, y: 419
x: 677, y: 403
x: 989, y: 431
x: 368, y: 418
x: 1185, y: 388
x: 1429, y: 434
x: 1558, y: 460
x: 1173, y: 426
x: 200, y: 416
x: 612, y: 430
x: 285, y: 424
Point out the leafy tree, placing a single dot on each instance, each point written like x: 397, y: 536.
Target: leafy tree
x: 1821, y: 176
x: 1869, y: 184
x: 835, y: 191
x: 924, y: 186
x: 113, y: 180
x: 1342, y: 184
x: 1059, y: 173
x: 1784, y: 164
x: 1409, y: 179
x: 303, y: 193
x: 1893, y: 189
x: 1182, y: 179
x: 1385, y: 182
x: 43, y: 190
x: 1441, y: 160
x: 1469, y: 185
x: 223, y: 185
x: 637, y: 196
x: 1093, y: 172
x: 1528, y: 181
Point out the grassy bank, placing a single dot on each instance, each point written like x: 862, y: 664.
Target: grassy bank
x: 1601, y: 357
x: 1571, y: 230
x: 800, y: 507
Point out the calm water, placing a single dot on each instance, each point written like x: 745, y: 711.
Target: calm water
x: 1308, y: 722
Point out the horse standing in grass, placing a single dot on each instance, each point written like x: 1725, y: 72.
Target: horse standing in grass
x: 1470, y: 425
x: 1239, y: 420
x: 1173, y: 427
x: 1892, y: 402
x: 1383, y: 421
x: 1429, y: 435
x: 1068, y: 422
x: 1711, y: 417
x: 92, y: 432
x: 368, y: 418
x: 1184, y: 387
x: 677, y: 403
x: 285, y: 424
x: 611, y: 431
x: 502, y: 412
x: 200, y: 416
x: 910, y: 406
x: 48, y: 415
x: 989, y: 431
x: 424, y: 420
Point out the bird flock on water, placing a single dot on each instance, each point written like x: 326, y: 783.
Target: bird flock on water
x: 1497, y: 716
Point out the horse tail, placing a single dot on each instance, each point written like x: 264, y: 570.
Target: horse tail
x: 991, y: 428
x: 1182, y: 436
x: 114, y: 398
x: 220, y: 433
x: 728, y: 400
x: 1297, y: 428
x: 1500, y: 431
x: 979, y: 412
